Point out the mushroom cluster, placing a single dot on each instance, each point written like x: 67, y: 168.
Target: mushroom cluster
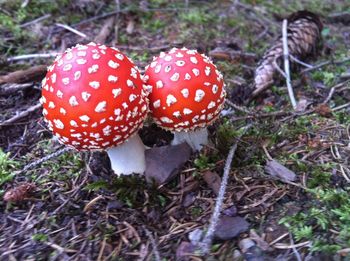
x: 93, y: 99
x: 186, y: 94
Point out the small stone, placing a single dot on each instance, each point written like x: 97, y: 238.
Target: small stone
x: 230, y: 227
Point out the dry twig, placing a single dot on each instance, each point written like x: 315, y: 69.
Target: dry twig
x: 286, y: 63
x: 21, y: 115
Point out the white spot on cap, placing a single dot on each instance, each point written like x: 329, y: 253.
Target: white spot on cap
x: 187, y: 111
x: 215, y: 89
x: 53, y: 77
x: 96, y: 56
x: 73, y: 101
x: 81, y: 53
x: 81, y: 61
x: 191, y: 52
x: 85, y: 96
x: 116, y: 92
x: 46, y: 87
x: 207, y: 70
x: 156, y: 104
x: 125, y: 105
x: 199, y: 95
x: 211, y: 105
x: 185, y: 92
x: 113, y: 64
x: 177, y: 114
x: 153, y: 64
x: 117, y: 112
x: 170, y: 99
x: 158, y: 68
x: 202, y: 117
x: 45, y: 112
x: 175, y: 77
x: 63, y: 111
x: 119, y: 56
x: 68, y: 56
x: 187, y: 76
x: 93, y: 68
x: 180, y: 63
x: 67, y: 67
x: 133, y: 73
x: 112, y: 78
x: 162, y: 54
x: 168, y: 58
x: 42, y: 100
x: 132, y: 97
x: 117, y: 137
x: 84, y: 118
x: 51, y: 105
x: 94, y: 84
x: 159, y: 84
x: 166, y: 120
x: 65, y: 81
x: 77, y: 75
x: 94, y: 125
x: 107, y: 130
x: 130, y: 83
x: 195, y: 71
x: 193, y: 59
x: 101, y: 106
x: 59, y: 94
x: 167, y: 68
x: 59, y: 124
x: 179, y: 55
x: 207, y: 83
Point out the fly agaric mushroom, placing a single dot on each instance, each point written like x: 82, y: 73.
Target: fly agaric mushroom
x: 93, y: 99
x: 186, y: 94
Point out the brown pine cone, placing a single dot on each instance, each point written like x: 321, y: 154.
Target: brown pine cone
x: 304, y: 35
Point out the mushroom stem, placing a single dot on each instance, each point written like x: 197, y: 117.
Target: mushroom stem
x: 129, y: 157
x: 196, y: 139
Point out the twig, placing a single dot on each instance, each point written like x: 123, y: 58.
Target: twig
x: 237, y: 107
x: 42, y: 160
x: 105, y: 31
x: 21, y: 115
x: 67, y: 27
x: 206, y: 242
x: 31, y: 56
x: 295, y: 251
x: 35, y: 20
x: 286, y: 63
x: 326, y: 63
x: 300, y: 62
x: 341, y: 107
x: 154, y: 245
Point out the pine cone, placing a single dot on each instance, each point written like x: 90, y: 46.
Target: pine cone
x: 304, y: 35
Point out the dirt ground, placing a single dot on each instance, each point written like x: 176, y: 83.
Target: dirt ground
x: 72, y: 207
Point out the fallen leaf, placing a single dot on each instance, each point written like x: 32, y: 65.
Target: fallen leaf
x: 213, y: 180
x: 230, y: 227
x: 277, y: 170
x: 324, y: 110
x: 164, y: 163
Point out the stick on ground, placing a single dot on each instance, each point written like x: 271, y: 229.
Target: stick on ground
x: 286, y: 63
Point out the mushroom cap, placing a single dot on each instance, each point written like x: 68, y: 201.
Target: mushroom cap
x: 186, y: 91
x: 93, y: 97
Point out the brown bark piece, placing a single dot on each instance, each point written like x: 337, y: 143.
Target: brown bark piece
x: 27, y: 75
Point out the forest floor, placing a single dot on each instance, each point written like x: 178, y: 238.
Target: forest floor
x: 72, y: 207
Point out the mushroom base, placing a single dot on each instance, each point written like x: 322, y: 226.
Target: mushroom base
x: 129, y: 157
x: 196, y: 139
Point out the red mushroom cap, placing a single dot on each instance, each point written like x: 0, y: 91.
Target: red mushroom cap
x: 186, y: 90
x: 93, y: 97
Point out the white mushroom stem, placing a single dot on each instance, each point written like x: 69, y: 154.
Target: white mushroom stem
x: 196, y: 139
x: 129, y: 157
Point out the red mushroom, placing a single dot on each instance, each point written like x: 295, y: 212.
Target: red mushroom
x: 186, y: 94
x: 93, y: 99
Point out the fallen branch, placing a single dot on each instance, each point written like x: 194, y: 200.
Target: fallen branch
x: 22, y: 76
x: 206, y: 243
x: 21, y: 115
x: 286, y: 63
x: 10, y: 88
x: 318, y: 66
